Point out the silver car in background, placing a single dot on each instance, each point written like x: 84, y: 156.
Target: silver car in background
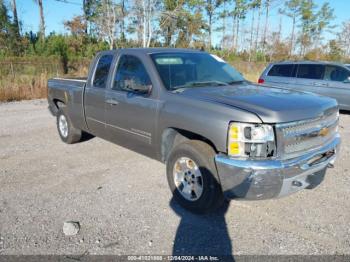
x: 323, y: 78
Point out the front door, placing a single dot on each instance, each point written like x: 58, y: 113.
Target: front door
x: 131, y: 115
x: 94, y: 98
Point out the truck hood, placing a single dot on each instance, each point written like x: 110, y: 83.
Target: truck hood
x: 270, y: 104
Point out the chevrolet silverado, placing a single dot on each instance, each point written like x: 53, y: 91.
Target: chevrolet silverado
x: 219, y: 135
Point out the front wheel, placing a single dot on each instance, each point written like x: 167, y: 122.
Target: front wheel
x: 192, y: 177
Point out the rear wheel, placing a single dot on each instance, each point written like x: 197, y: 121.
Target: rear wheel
x: 192, y: 177
x: 68, y: 133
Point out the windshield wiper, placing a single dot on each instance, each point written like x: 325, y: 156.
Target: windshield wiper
x: 199, y: 84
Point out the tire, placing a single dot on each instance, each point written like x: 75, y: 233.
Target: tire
x: 68, y: 133
x: 193, y: 178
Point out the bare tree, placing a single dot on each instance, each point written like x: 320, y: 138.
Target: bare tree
x: 146, y: 13
x: 344, y: 38
x: 106, y: 21
x: 86, y: 14
x: 223, y: 15
x: 149, y: 11
x: 146, y: 23
x: 123, y: 14
x: 259, y: 5
x: 267, y: 9
x: 15, y: 18
x: 42, y: 18
x: 253, y: 5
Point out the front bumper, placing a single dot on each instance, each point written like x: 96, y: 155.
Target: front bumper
x: 264, y: 179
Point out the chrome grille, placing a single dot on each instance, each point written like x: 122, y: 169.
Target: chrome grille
x: 296, y: 138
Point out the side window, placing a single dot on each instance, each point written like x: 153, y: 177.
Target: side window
x: 102, y: 70
x: 311, y: 71
x: 282, y: 70
x: 130, y: 74
x: 336, y: 73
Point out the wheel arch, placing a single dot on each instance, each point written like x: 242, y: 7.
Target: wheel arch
x: 58, y: 103
x: 172, y: 136
x: 55, y: 104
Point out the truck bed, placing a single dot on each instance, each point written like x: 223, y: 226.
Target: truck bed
x: 69, y: 91
x: 75, y: 81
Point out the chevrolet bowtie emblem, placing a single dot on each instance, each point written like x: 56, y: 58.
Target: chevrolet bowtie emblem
x: 324, y: 131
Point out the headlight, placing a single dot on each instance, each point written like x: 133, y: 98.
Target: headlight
x: 251, y: 140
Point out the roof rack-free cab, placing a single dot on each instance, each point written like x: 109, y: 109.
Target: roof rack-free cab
x: 219, y: 135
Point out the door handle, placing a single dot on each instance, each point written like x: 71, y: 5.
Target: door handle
x: 112, y: 102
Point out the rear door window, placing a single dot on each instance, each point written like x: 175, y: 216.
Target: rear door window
x: 311, y: 71
x: 282, y: 70
x: 336, y: 73
x: 102, y: 71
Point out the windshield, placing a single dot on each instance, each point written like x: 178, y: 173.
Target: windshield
x: 189, y: 70
x: 348, y: 66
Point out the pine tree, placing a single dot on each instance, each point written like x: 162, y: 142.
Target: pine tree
x: 292, y: 10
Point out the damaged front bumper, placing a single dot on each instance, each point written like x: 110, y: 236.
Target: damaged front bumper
x: 265, y: 179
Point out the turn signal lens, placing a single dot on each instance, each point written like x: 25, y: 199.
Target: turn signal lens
x: 234, y: 148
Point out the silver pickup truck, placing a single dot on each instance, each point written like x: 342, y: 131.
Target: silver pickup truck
x: 219, y: 135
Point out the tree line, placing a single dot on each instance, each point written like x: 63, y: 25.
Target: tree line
x: 234, y: 28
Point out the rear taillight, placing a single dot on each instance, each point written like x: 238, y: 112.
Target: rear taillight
x: 261, y: 81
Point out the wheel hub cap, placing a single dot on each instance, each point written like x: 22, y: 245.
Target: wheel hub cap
x: 188, y: 178
x: 63, y: 126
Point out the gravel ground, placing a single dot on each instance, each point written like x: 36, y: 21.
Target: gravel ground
x: 122, y: 201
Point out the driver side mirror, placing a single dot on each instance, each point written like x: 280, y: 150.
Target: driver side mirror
x: 136, y: 87
x: 143, y: 89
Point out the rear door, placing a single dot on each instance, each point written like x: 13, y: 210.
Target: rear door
x: 337, y: 85
x: 282, y: 75
x: 131, y: 116
x: 94, y: 99
x: 310, y: 77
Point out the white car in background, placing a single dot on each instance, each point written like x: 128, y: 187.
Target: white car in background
x: 323, y: 78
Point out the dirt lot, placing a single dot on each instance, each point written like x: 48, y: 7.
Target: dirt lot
x: 124, y: 206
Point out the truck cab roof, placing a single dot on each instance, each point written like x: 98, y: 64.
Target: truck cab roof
x: 153, y: 50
